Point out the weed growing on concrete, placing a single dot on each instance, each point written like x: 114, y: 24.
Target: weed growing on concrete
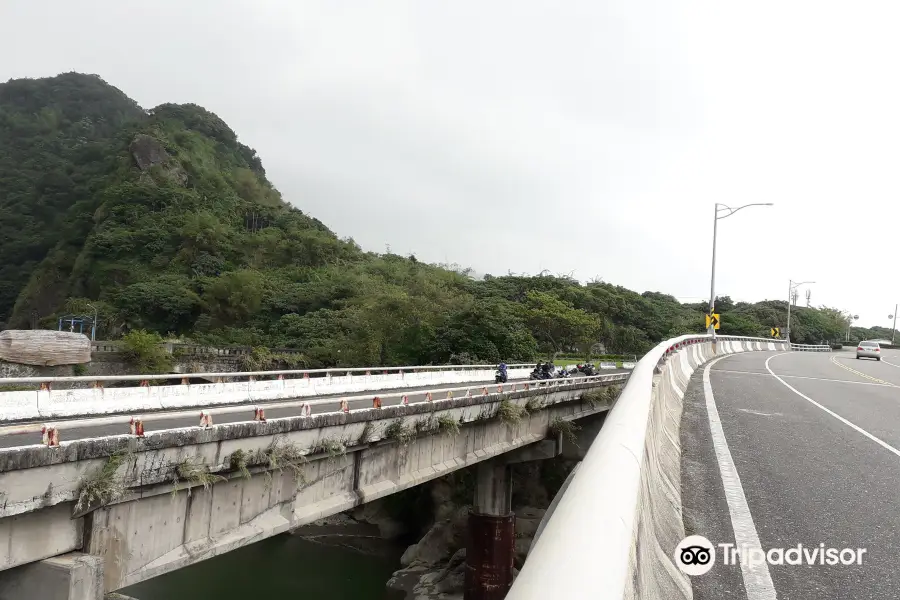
x: 612, y: 392
x: 283, y: 455
x: 511, y: 413
x: 595, y: 397
x: 364, y: 436
x: 448, y: 425
x: 331, y: 446
x: 193, y: 471
x: 403, y: 435
x: 426, y: 426
x: 534, y: 404
x: 238, y: 462
x: 103, y: 486
x: 565, y: 428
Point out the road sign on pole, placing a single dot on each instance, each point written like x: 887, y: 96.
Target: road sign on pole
x: 713, y: 320
x: 776, y: 332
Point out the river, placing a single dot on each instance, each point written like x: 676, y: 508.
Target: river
x: 285, y: 566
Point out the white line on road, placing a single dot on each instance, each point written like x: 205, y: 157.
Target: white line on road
x: 727, y: 372
x: 890, y: 363
x: 875, y: 439
x: 757, y: 580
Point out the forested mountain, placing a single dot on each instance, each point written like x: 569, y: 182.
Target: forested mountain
x: 162, y: 220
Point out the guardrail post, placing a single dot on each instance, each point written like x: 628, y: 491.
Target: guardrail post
x: 492, y: 535
x: 50, y: 436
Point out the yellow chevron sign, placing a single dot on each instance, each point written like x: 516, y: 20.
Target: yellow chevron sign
x: 712, y: 319
x: 776, y: 332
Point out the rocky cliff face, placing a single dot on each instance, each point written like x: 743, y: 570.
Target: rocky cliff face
x: 436, y: 515
x: 434, y: 567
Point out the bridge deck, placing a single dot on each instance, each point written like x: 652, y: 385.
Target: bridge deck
x: 767, y: 465
x: 15, y: 435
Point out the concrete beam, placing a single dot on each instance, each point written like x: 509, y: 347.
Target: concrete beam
x: 542, y: 450
x: 73, y: 576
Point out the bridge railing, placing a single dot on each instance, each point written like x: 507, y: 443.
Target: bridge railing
x: 610, y: 533
x: 810, y: 348
x: 194, y: 350
x: 253, y: 412
x: 96, y: 398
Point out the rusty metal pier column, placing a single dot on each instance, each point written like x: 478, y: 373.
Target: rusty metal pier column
x: 490, y: 550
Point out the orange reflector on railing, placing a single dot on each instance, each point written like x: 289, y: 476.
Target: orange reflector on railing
x: 50, y: 436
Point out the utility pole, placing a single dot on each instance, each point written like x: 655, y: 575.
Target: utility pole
x: 894, y: 330
x: 808, y: 298
x: 792, y: 294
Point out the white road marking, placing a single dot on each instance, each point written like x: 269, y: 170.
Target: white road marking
x: 757, y: 579
x: 890, y: 363
x: 875, y: 439
x: 717, y: 371
x: 759, y: 413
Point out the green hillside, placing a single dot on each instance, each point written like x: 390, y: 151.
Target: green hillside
x: 164, y: 221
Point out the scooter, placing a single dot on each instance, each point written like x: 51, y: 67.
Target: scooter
x: 500, y: 376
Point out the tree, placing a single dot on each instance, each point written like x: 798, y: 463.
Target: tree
x: 557, y: 325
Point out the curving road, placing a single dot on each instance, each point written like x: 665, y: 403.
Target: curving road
x: 781, y: 449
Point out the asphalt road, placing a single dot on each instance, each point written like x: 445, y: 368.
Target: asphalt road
x: 24, y: 434
x: 816, y: 464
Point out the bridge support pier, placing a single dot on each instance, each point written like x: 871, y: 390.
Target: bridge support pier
x: 73, y: 576
x: 492, y: 526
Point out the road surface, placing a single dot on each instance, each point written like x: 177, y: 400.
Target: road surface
x: 783, y: 449
x: 24, y: 434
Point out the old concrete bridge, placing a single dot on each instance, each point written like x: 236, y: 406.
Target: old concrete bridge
x: 93, y: 515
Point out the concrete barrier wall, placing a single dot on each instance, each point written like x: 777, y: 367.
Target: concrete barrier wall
x: 54, y: 404
x: 612, y: 533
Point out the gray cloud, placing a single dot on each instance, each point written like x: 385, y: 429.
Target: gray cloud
x: 578, y: 136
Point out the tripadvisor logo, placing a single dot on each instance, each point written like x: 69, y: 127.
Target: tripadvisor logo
x: 696, y: 555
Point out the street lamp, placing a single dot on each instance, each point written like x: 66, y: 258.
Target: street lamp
x: 894, y: 328
x: 850, y: 318
x: 791, y: 287
x: 728, y: 211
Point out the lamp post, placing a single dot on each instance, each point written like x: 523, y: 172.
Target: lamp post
x: 728, y: 211
x: 850, y: 318
x: 791, y: 287
x: 894, y: 328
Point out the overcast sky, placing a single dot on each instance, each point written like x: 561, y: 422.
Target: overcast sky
x: 582, y: 137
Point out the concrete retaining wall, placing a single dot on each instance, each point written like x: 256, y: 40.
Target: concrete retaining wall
x: 612, y: 533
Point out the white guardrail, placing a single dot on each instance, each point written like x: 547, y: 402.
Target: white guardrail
x: 611, y: 531
x: 94, y: 399
x: 810, y: 348
x: 55, y: 431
